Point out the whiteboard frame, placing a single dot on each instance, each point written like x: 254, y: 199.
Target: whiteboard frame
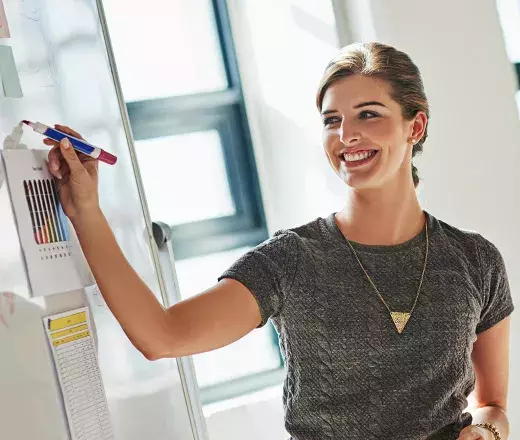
x: 185, y: 365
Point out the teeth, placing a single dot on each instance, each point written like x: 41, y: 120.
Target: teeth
x: 358, y: 156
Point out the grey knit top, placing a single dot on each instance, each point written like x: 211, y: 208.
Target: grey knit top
x: 349, y: 374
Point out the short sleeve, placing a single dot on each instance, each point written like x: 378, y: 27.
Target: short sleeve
x: 268, y: 272
x: 498, y: 303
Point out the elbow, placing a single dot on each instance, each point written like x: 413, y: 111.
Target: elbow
x: 149, y: 350
x: 161, y: 347
x: 158, y: 343
x: 157, y: 350
x: 154, y: 352
x: 151, y: 355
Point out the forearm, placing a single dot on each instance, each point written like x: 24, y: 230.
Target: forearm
x: 495, y: 415
x: 130, y: 300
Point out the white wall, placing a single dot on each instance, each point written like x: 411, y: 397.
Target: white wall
x: 471, y: 159
x: 283, y: 47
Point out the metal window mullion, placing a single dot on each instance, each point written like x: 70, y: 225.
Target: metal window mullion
x: 241, y: 386
x: 197, y: 101
x: 223, y: 25
x: 237, y: 167
x: 171, y: 124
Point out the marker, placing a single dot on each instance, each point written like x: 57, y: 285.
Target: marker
x: 78, y: 144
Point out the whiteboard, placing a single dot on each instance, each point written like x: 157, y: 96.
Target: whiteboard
x: 65, y: 76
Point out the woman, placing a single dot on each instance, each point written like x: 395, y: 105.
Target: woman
x: 386, y: 315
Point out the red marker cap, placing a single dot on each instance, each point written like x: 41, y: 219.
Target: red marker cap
x: 107, y: 158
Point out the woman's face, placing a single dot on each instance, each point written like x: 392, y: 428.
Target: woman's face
x: 365, y: 137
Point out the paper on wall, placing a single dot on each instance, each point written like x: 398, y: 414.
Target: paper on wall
x: 75, y: 358
x: 54, y: 259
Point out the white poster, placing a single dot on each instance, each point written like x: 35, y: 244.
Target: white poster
x: 54, y: 260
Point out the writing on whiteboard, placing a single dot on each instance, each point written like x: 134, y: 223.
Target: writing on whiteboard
x: 4, y: 29
x: 6, y: 308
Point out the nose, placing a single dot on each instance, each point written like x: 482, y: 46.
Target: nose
x: 349, y: 135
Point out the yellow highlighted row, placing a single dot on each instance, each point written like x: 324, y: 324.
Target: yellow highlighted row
x: 67, y: 321
x: 69, y: 331
x: 71, y: 338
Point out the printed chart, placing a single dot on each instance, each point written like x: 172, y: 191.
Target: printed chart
x: 54, y: 260
x: 47, y: 218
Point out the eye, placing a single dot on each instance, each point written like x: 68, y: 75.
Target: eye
x: 331, y: 120
x: 368, y: 115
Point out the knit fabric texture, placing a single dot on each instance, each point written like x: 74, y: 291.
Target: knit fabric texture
x: 349, y: 374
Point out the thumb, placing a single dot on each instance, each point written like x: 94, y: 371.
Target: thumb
x: 70, y: 156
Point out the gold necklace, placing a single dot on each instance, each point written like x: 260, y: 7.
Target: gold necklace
x: 400, y: 319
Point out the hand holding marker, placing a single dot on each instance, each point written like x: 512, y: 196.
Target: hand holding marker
x: 76, y: 177
x: 78, y: 144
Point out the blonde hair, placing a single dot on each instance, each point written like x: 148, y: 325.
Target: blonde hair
x: 387, y: 63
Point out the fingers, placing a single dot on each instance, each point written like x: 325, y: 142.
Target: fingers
x: 50, y: 142
x: 55, y: 160
x: 60, y: 161
x: 83, y: 157
x: 71, y: 157
x: 64, y: 169
x: 67, y: 130
x: 471, y: 433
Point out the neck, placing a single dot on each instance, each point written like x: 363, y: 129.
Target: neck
x: 382, y: 216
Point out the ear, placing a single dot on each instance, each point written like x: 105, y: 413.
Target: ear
x: 419, y: 124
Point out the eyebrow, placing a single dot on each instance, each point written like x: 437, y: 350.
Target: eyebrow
x: 362, y: 104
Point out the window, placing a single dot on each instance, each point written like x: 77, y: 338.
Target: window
x: 252, y: 363
x: 509, y: 12
x: 180, y: 80
x: 179, y: 77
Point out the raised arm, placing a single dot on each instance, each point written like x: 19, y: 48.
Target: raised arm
x: 210, y: 320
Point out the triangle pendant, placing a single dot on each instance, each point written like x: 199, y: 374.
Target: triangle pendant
x: 400, y: 320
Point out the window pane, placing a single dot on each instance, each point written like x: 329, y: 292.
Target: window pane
x: 184, y: 177
x: 509, y: 12
x: 167, y: 48
x: 253, y: 353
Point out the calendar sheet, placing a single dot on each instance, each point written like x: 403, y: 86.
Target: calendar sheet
x: 75, y: 359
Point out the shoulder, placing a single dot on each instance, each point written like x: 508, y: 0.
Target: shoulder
x: 468, y: 242
x: 313, y: 234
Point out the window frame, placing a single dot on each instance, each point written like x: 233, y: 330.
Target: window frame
x: 241, y: 386
x: 225, y: 112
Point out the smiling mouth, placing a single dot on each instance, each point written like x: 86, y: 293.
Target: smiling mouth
x: 356, y: 159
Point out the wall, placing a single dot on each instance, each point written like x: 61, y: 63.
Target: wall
x: 283, y: 47
x: 470, y: 161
